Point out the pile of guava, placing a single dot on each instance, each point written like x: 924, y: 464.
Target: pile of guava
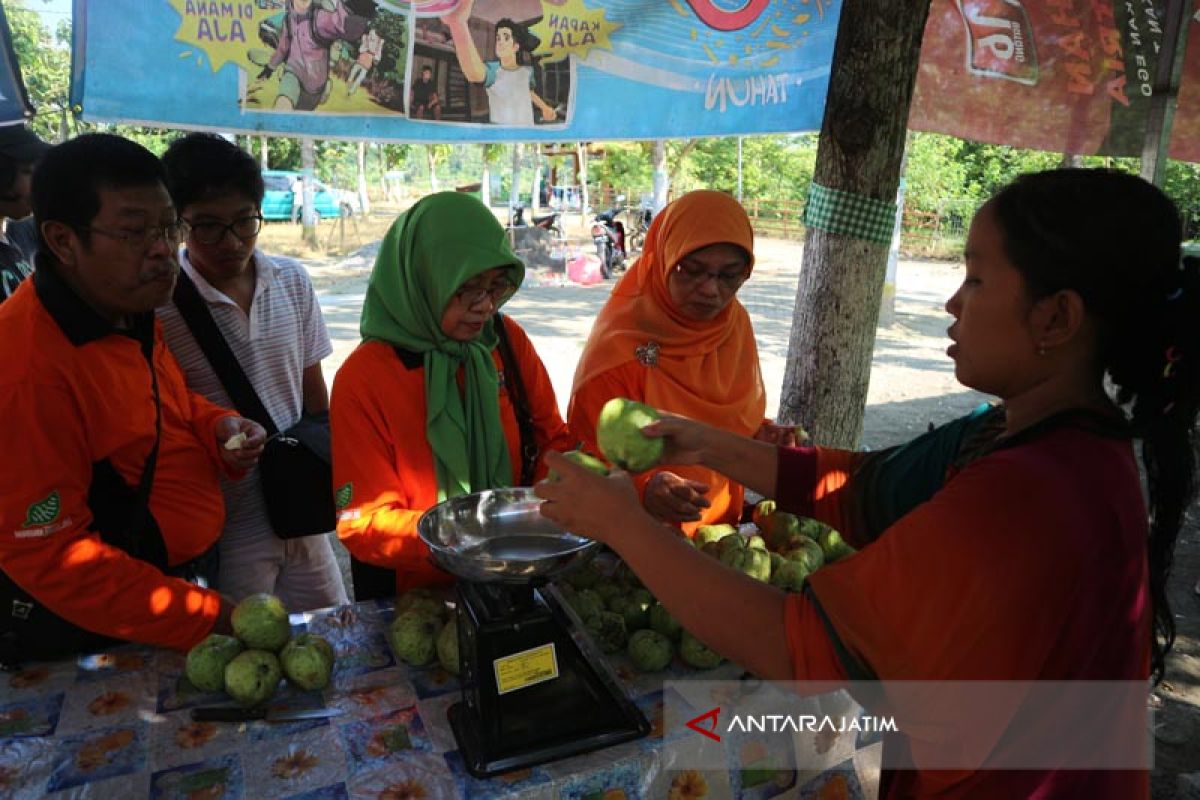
x: 249, y: 665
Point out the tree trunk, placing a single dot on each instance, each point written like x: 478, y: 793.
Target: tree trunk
x: 364, y: 200
x: 688, y: 146
x: 581, y: 158
x: 859, y: 151
x: 264, y: 159
x: 308, y: 160
x: 514, y: 188
x: 431, y: 159
x: 662, y: 185
x: 485, y: 186
x: 384, y: 189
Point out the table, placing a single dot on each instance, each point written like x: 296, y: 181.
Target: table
x: 117, y: 725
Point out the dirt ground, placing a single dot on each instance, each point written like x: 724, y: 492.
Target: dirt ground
x: 912, y: 385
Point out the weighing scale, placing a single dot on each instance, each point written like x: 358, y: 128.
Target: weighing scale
x: 529, y: 694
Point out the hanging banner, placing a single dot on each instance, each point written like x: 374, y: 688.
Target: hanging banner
x: 1068, y: 76
x: 457, y: 70
x: 14, y: 102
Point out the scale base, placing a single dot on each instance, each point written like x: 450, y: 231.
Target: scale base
x: 580, y: 710
x: 482, y: 764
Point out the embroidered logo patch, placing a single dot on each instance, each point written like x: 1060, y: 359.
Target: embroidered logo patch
x: 344, y: 495
x: 43, y: 512
x: 647, y: 354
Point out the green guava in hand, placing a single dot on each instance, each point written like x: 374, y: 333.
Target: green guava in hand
x: 261, y: 622
x: 252, y: 676
x: 307, y: 661
x: 206, y: 661
x: 649, y: 650
x: 619, y: 434
x: 584, y: 460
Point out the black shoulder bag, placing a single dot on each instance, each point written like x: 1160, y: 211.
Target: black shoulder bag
x: 295, y: 467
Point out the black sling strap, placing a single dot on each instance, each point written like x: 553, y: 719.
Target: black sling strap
x: 520, y: 402
x: 200, y: 322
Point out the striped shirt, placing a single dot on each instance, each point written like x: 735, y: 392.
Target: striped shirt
x: 283, y: 335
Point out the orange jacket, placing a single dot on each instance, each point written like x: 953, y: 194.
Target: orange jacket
x: 382, y: 463
x: 73, y: 392
x: 629, y: 380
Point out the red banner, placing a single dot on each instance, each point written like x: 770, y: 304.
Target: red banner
x: 1068, y: 76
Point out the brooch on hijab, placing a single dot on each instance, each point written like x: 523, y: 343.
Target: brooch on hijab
x: 647, y: 354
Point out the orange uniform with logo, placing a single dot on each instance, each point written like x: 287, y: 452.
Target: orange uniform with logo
x: 74, y: 392
x: 382, y: 462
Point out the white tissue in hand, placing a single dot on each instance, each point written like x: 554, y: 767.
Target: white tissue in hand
x: 236, y: 441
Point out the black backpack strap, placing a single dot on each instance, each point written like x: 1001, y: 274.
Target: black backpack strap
x: 516, y: 393
x: 200, y: 322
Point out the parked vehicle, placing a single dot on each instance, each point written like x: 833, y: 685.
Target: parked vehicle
x: 608, y: 235
x: 284, y: 198
x: 548, y: 222
x: 639, y: 222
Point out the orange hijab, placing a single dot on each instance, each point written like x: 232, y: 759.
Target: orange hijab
x: 707, y: 370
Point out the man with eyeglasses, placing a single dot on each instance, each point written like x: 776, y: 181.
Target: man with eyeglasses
x: 267, y: 312
x: 111, y: 502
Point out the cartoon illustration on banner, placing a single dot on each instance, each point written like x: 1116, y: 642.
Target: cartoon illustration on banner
x: 461, y: 69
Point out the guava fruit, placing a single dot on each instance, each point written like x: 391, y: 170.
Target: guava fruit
x: 763, y: 508
x: 635, y: 609
x: 252, y: 676
x: 808, y: 553
x: 834, y: 546
x: 728, y: 543
x: 581, y: 458
x: 619, y: 434
x: 780, y: 527
x: 712, y: 549
x: 447, y: 647
x: 421, y: 600
x: 610, y: 592
x: 587, y: 603
x: 789, y: 576
x: 585, y: 576
x: 712, y: 533
x: 608, y: 630
x: 307, y: 661
x: 662, y: 621
x: 649, y: 650
x: 695, y: 654
x: 750, y: 561
x: 261, y: 622
x: 206, y: 661
x: 414, y: 636
x: 756, y: 542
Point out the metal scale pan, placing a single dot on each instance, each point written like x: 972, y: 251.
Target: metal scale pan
x: 529, y: 694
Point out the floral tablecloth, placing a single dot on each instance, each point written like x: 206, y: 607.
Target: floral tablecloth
x: 117, y: 725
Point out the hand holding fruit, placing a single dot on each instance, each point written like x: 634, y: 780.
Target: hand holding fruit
x: 240, y: 441
x: 586, y: 503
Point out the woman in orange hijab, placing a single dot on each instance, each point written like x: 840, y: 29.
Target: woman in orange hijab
x: 674, y: 336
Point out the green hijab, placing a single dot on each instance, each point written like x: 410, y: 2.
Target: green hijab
x: 431, y: 250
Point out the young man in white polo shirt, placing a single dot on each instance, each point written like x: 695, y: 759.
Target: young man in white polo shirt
x: 267, y: 312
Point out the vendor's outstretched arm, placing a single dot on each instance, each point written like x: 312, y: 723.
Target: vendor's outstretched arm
x: 752, y: 463
x: 733, y: 614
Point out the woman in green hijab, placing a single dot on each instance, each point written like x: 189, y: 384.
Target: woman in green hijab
x: 423, y: 410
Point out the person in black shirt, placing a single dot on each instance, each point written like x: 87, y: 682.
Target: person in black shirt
x: 425, y: 102
x: 20, y: 149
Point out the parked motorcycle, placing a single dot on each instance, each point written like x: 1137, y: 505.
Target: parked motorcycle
x: 608, y: 235
x: 639, y: 222
x: 548, y: 222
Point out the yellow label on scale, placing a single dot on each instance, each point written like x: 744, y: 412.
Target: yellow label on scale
x: 536, y: 665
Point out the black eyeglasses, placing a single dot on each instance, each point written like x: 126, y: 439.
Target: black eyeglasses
x: 244, y: 228
x: 471, y: 296
x: 698, y: 275
x: 145, y: 238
